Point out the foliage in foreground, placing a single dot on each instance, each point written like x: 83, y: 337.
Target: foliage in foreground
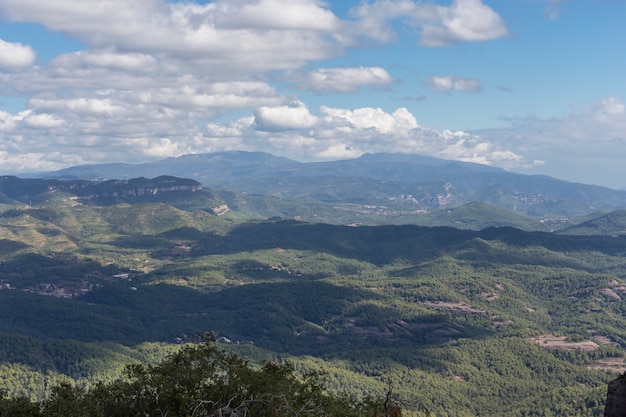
x: 201, y: 380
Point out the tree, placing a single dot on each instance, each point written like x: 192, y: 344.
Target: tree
x: 202, y: 380
x: 17, y: 407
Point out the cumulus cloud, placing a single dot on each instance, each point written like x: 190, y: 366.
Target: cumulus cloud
x: 245, y: 36
x: 120, y: 61
x: 373, y: 19
x: 127, y: 125
x: 273, y: 14
x: 85, y: 132
x: 43, y: 120
x: 294, y: 116
x: 444, y: 84
x: 332, y: 133
x: 7, y: 121
x: 15, y: 56
x: 399, y: 122
x: 462, y: 21
x: 343, y: 79
x: 79, y: 106
x: 158, y: 78
x: 472, y: 148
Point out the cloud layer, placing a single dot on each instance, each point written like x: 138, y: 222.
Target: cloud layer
x: 158, y: 79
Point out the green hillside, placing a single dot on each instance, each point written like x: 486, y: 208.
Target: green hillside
x: 611, y: 224
x: 485, y: 322
x: 477, y: 216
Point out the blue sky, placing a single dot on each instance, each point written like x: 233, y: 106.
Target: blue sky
x: 532, y: 86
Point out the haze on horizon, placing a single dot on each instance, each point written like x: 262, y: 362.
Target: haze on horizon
x: 532, y: 86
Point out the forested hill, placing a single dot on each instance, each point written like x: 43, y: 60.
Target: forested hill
x: 476, y: 315
x: 611, y: 224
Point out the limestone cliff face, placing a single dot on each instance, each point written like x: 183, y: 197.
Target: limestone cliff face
x: 137, y: 187
x: 34, y: 191
x: 616, y: 398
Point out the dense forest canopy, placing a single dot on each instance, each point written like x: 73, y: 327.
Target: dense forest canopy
x: 201, y: 380
x: 489, y: 322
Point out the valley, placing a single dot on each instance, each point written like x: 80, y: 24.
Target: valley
x: 488, y: 319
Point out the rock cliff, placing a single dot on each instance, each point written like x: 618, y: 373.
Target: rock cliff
x: 616, y: 398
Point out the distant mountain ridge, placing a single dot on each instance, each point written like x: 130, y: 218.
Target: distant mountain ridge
x: 14, y: 190
x: 398, y: 183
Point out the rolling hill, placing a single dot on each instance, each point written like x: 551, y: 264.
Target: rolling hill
x: 609, y: 224
x: 474, y: 314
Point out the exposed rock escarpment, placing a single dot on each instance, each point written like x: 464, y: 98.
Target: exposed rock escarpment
x: 616, y: 398
x: 50, y: 191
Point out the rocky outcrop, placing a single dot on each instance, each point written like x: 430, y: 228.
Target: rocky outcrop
x: 616, y: 398
x: 48, y: 191
x: 139, y: 187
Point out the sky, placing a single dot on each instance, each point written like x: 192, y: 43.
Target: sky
x: 531, y: 86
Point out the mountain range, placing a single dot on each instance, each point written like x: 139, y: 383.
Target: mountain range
x: 372, y: 189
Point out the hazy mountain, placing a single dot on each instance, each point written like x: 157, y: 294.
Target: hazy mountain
x: 398, y: 183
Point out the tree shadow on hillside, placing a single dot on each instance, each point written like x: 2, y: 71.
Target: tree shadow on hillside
x: 375, y: 244
x: 378, y: 245
x: 8, y: 246
x: 304, y: 317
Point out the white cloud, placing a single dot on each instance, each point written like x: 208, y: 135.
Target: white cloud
x: 472, y: 148
x: 463, y: 21
x: 36, y: 161
x: 78, y: 106
x: 243, y: 36
x: 610, y: 106
x: 83, y: 131
x: 343, y: 80
x: 7, y: 121
x: 276, y: 14
x: 373, y: 19
x: 158, y: 76
x: 163, y: 148
x: 339, y: 151
x: 294, y: 116
x: 15, y: 56
x: 113, y: 60
x: 232, y: 130
x: 343, y: 133
x: 43, y: 120
x: 398, y: 122
x: 448, y: 83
